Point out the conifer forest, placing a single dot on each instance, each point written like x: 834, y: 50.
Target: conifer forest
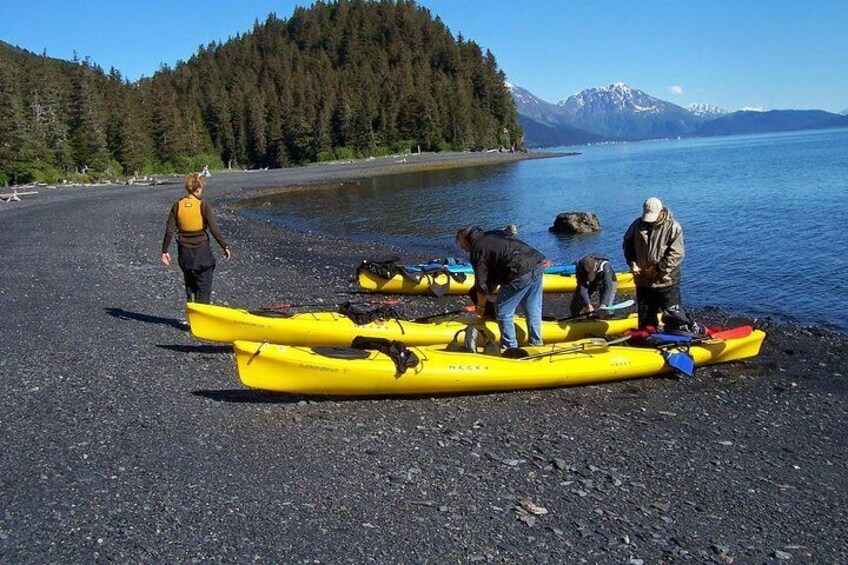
x: 336, y: 80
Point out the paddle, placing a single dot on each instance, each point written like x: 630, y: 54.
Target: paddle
x: 592, y: 343
x: 465, y: 310
x: 674, y: 340
x: 681, y: 361
x: 465, y: 267
x: 612, y: 308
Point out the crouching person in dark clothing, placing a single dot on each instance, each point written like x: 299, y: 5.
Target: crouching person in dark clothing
x: 500, y: 260
x: 189, y: 219
x: 594, y: 274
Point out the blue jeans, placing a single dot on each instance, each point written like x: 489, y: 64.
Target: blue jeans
x: 529, y: 297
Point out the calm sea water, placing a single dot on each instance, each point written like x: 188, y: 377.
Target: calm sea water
x: 764, y: 217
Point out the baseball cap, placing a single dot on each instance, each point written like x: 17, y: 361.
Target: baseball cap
x: 586, y: 268
x: 651, y: 209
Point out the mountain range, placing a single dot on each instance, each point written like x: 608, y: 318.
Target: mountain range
x: 618, y: 112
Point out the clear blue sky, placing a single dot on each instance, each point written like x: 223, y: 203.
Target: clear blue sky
x: 744, y: 53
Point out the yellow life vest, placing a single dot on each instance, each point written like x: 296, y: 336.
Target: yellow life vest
x: 189, y: 216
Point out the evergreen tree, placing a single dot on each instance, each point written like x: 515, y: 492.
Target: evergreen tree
x: 166, y: 125
x: 14, y: 139
x: 87, y: 119
x: 258, y: 142
x: 128, y: 139
x: 55, y: 125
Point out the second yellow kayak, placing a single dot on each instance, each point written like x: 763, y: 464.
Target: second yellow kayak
x: 329, y: 329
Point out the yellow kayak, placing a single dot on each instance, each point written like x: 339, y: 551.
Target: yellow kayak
x: 355, y: 372
x: 447, y: 284
x: 329, y: 329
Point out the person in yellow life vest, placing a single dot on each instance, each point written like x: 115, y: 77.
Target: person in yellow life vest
x: 189, y: 219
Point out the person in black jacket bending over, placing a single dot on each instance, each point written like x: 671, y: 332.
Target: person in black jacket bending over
x: 594, y: 274
x: 501, y: 260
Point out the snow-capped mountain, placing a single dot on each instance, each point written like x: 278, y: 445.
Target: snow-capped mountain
x: 618, y: 111
x: 706, y: 110
x: 616, y: 97
x: 546, y: 124
x: 533, y: 107
x: 844, y: 112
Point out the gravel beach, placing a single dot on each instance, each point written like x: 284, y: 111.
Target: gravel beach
x: 124, y: 439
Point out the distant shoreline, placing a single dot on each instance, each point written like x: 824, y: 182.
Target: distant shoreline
x: 253, y: 185
x: 315, y: 173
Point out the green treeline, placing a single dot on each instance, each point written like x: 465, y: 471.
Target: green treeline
x: 337, y: 80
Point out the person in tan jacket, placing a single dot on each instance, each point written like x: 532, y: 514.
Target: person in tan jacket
x: 653, y: 248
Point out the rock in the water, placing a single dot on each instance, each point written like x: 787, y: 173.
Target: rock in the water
x: 576, y: 222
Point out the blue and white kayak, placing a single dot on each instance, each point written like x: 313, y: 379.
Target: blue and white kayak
x: 462, y: 266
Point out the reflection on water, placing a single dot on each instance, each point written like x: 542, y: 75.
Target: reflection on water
x: 763, y: 216
x: 423, y: 208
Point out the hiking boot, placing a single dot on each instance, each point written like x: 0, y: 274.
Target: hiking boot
x: 514, y: 353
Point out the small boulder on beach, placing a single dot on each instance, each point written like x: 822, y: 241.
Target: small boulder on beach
x: 576, y: 223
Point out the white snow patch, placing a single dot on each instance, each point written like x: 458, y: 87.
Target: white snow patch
x: 705, y: 110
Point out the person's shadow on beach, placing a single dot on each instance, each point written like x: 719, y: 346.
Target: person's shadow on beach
x: 122, y: 314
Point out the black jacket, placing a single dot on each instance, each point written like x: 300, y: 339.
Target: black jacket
x: 605, y: 281
x: 499, y: 259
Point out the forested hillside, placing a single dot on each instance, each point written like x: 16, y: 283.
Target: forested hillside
x: 336, y: 80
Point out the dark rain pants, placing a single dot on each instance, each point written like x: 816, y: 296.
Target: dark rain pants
x: 653, y: 301
x: 198, y: 265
